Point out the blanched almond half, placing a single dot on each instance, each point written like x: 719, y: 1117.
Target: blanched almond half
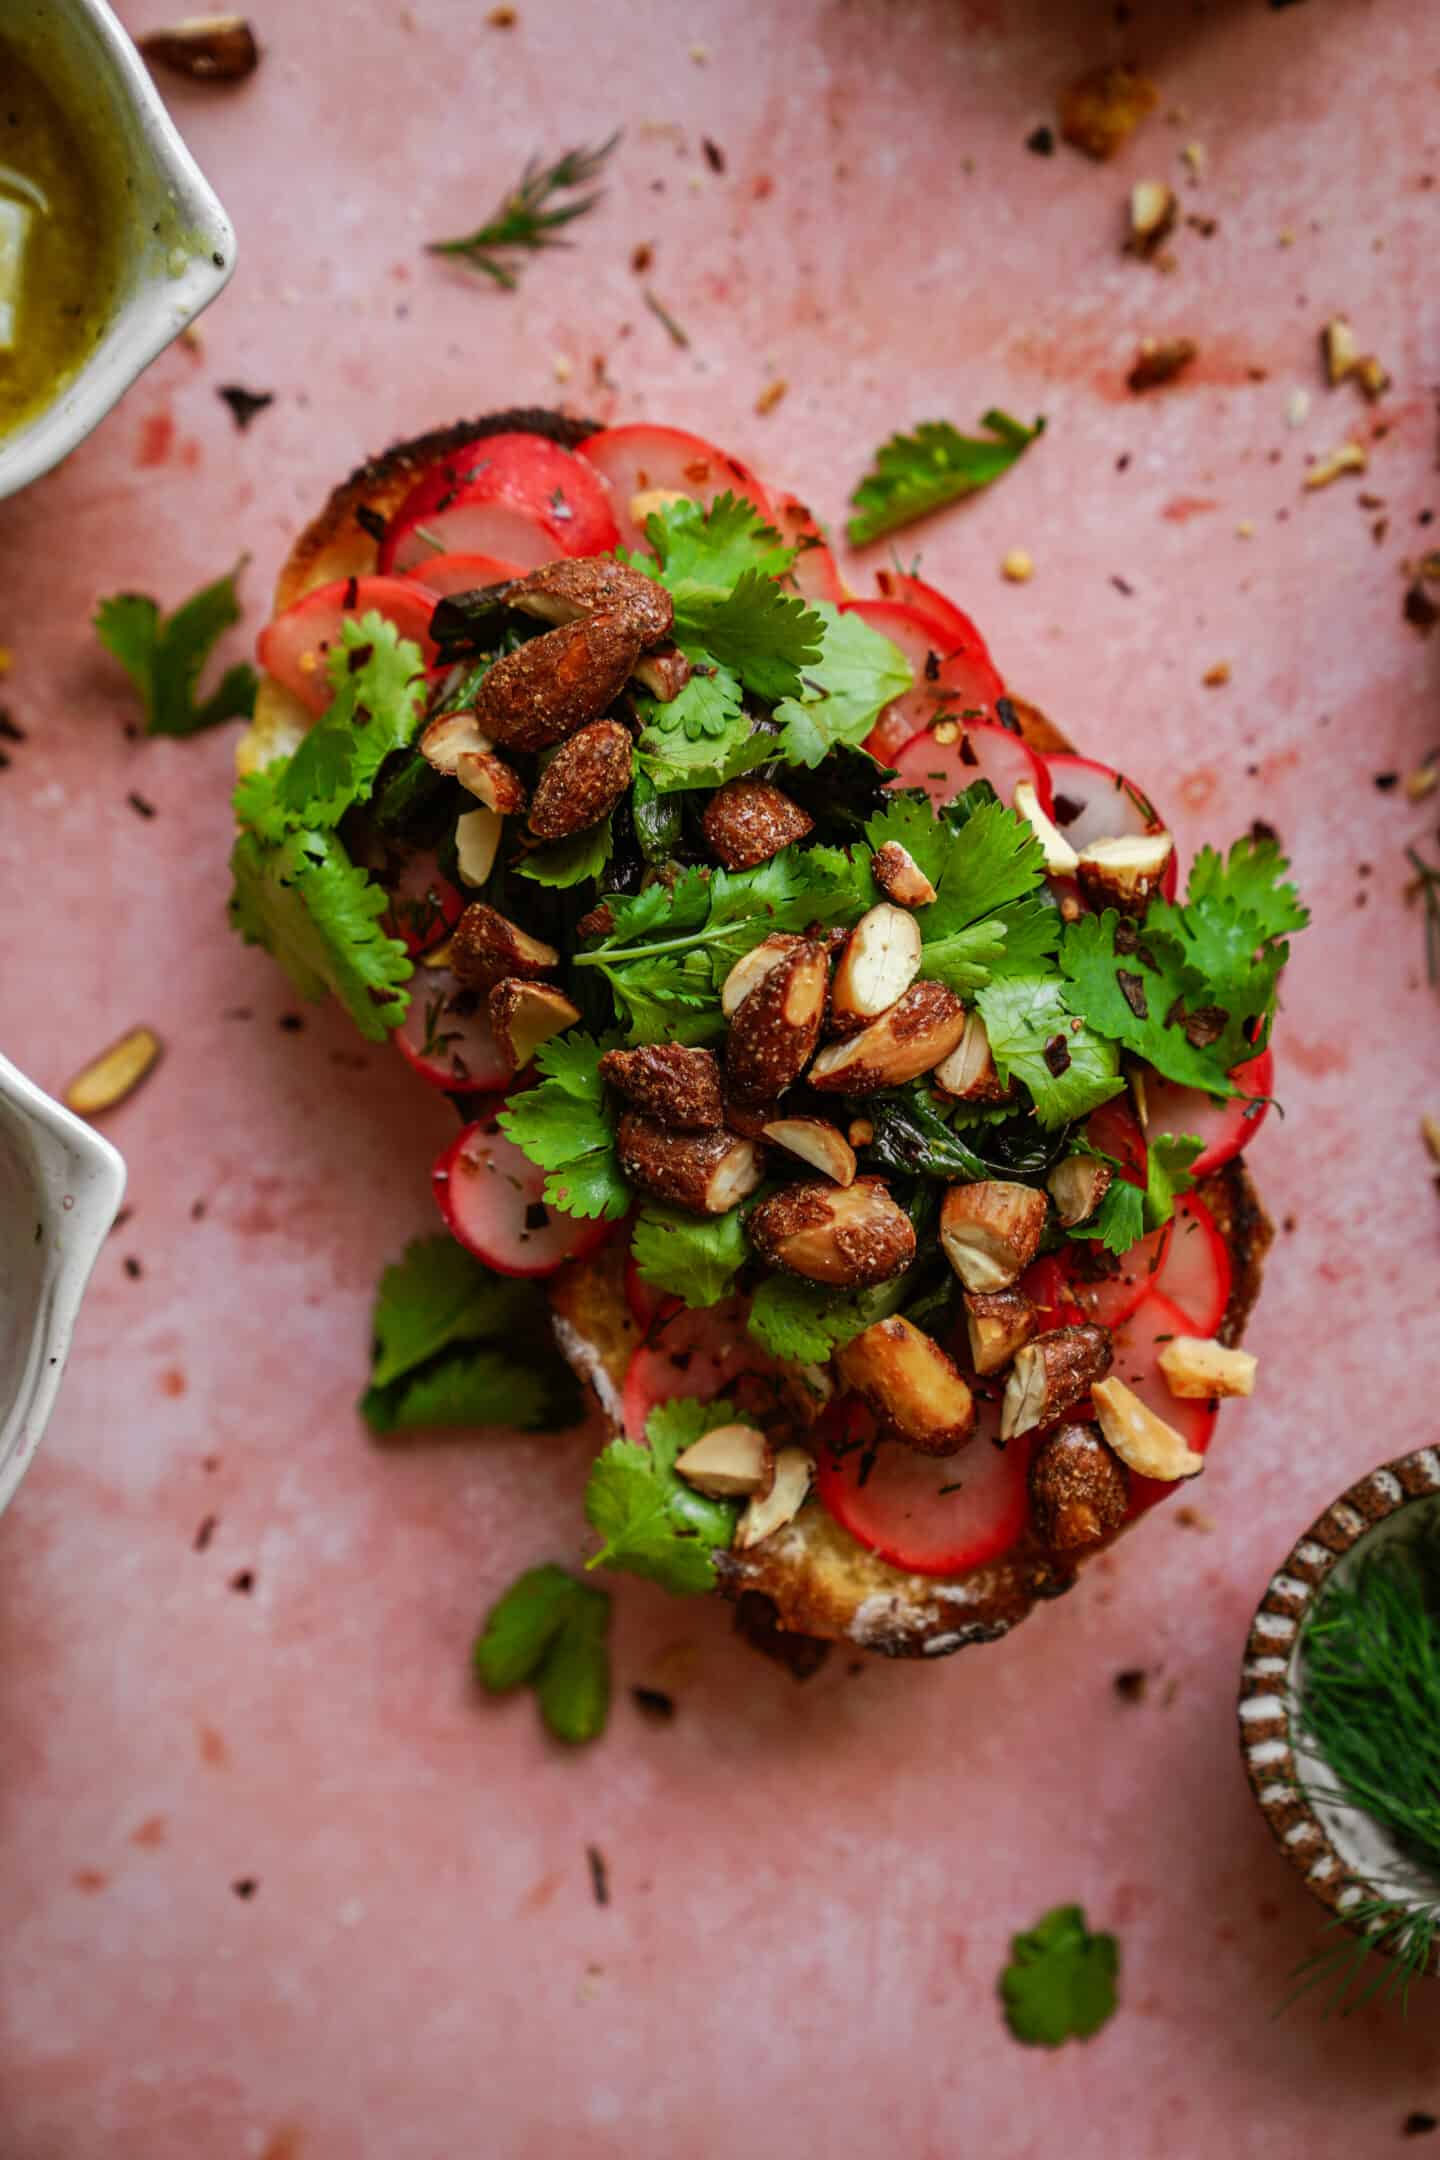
x: 109, y: 1078
x: 1144, y: 1442
x: 732, y: 1462
x: 880, y: 961
x: 763, y: 1517
x: 1051, y: 1374
x: 477, y: 841
x: 913, y: 1036
x: 1060, y: 857
x: 1123, y: 873
x: 491, y: 781
x: 752, y: 968
x: 449, y: 738
x: 909, y: 1382
x: 823, y: 1146
x: 900, y: 877
x: 526, y: 1014
x: 990, y: 1231
x: 969, y: 1074
x: 1196, y: 1368
x: 1077, y: 1186
x: 998, y: 1322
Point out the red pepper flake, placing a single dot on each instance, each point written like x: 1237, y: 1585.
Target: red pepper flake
x: 244, y: 404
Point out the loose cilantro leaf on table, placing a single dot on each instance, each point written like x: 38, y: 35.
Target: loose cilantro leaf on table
x: 563, y: 1126
x: 694, y: 1257
x: 1060, y: 1982
x: 320, y: 915
x: 652, y: 1522
x: 472, y: 1387
x: 844, y: 690
x: 1069, y: 1071
x: 915, y: 474
x: 1128, y: 1212
x: 439, y: 1294
x: 550, y: 1631
x: 164, y: 654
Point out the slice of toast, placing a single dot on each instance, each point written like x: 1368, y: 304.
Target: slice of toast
x: 813, y: 1578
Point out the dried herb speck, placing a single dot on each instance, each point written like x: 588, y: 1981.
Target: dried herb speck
x: 599, y: 1874
x: 244, y: 404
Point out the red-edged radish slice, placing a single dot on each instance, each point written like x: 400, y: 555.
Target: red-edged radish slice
x: 814, y: 571
x: 445, y: 574
x: 293, y: 648
x: 1137, y: 1345
x: 933, y: 1515
x: 520, y: 497
x: 646, y: 1303
x: 424, y: 907
x: 959, y: 638
x: 643, y: 460
x: 705, y: 1353
x: 447, y: 1037
x: 1227, y: 1125
x: 946, y: 682
x: 1114, y: 1130
x: 1195, y: 1272
x: 980, y: 752
x: 1095, y: 802
x: 493, y: 1199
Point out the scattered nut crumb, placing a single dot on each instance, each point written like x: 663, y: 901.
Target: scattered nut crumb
x: 109, y: 1078
x: 1418, y: 608
x: 1160, y: 361
x: 1245, y: 530
x: 1215, y: 677
x: 561, y: 368
x: 1285, y: 237
x: 502, y: 18
x: 1101, y: 111
x: 1430, y: 1134
x: 192, y: 338
x: 771, y: 395
x: 1018, y: 566
x: 1297, y: 408
x: 1423, y: 781
x: 946, y: 731
x: 699, y: 54
x: 1371, y: 376
x: 1350, y: 457
x: 1193, y: 1518
x: 1196, y: 158
x: 1338, y: 349
x: 1153, y: 212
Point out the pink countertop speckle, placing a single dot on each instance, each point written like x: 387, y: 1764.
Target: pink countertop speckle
x: 811, y: 1888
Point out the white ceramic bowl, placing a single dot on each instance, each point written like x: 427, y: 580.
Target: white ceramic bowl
x: 60, y: 1190
x: 178, y: 247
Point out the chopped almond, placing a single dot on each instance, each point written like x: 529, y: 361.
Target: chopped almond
x: 880, y: 960
x: 477, y: 841
x: 794, y: 1470
x: 706, y: 1172
x: 1125, y: 872
x: 1060, y: 857
x: 917, y: 1032
x: 1159, y: 361
x: 116, y: 1073
x: 998, y: 1322
x: 1143, y: 1441
x: 1018, y: 565
x: 990, y: 1231
x: 1101, y: 111
x: 525, y: 1014
x: 821, y: 1145
x: 910, y: 1383
x: 1197, y: 1369
x: 1154, y: 208
x: 1350, y: 457
x: 1077, y: 1185
x: 900, y: 877
x: 752, y: 968
x: 730, y: 1462
x: 1051, y: 1374
x: 968, y: 1074
x: 1339, y: 350
x: 449, y: 738
x: 491, y: 781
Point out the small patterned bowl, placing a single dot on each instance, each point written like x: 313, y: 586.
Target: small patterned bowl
x: 1343, y: 1856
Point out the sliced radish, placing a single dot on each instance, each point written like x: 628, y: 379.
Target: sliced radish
x: 705, y: 1353
x: 958, y: 637
x: 445, y: 574
x: 932, y: 1515
x: 294, y: 646
x: 424, y: 907
x: 1114, y: 1130
x: 1226, y: 1125
x: 1084, y: 1282
x: 520, y: 497
x: 493, y: 1199
x: 1137, y: 1350
x: 643, y: 460
x: 814, y: 571
x: 980, y: 752
x: 1195, y: 1272
x: 1095, y: 802
x: 447, y: 1037
x: 946, y: 682
x: 646, y: 1303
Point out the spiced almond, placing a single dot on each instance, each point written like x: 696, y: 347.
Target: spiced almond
x: 752, y: 967
x: 486, y: 945
x: 1051, y: 1374
x: 1143, y: 1441
x: 524, y: 1014
x: 491, y: 781
x: 1060, y: 857
x: 916, y: 1034
x: 998, y: 1322
x: 1124, y: 873
x: 679, y: 1086
x: 451, y: 736
x: 477, y: 842
x: 968, y: 1074
x: 771, y: 1511
x: 747, y: 821
x: 583, y: 781
x: 816, y: 1142
x: 1077, y: 1185
x: 905, y: 1377
x: 900, y: 877
x: 569, y: 590
x: 991, y: 1231
x: 879, y: 961
x: 664, y: 672
x: 774, y: 1032
x: 1079, y: 1489
x: 557, y: 683
x: 730, y: 1462
x: 706, y: 1172
x: 847, y: 1235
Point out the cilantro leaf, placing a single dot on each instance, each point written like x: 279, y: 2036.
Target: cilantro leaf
x: 439, y: 1294
x: 1060, y: 1982
x: 705, y: 552
x: 673, y: 762
x: 652, y: 1522
x: 708, y: 706
x: 986, y: 872
x: 320, y: 915
x: 378, y: 679
x: 694, y: 1257
x: 845, y: 688
x: 551, y: 1631
x: 909, y: 821
x: 562, y: 1125
x: 805, y: 1323
x: 915, y: 474
x: 520, y: 1627
x: 472, y: 1387
x: 1250, y: 880
x: 1032, y: 932
x: 1120, y: 1221
x: 967, y: 959
x: 764, y: 633
x: 164, y: 655
x: 564, y: 863
x: 992, y: 860
x: 1027, y: 1014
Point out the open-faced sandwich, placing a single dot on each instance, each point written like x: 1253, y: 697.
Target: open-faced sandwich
x: 828, y: 1032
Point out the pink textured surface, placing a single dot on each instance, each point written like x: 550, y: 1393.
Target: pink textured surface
x: 811, y: 1890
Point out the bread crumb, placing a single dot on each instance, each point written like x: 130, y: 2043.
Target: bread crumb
x: 562, y: 368
x: 1297, y: 408
x: 1193, y: 1518
x: 1245, y: 530
x: 1018, y: 566
x: 1350, y: 457
x: 1430, y: 1134
x: 771, y: 395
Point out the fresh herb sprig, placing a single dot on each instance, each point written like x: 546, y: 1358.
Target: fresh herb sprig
x: 915, y: 474
x: 532, y: 216
x: 164, y: 655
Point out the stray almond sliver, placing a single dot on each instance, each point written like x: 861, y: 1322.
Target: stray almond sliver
x: 109, y: 1078
x: 1143, y: 1441
x: 1197, y: 1369
x: 764, y: 1516
x: 729, y: 1462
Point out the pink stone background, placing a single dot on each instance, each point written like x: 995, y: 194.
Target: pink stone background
x: 812, y: 1889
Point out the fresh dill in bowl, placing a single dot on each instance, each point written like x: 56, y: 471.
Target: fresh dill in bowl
x: 1369, y: 1708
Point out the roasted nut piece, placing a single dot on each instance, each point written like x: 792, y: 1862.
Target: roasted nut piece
x: 663, y: 673
x: 909, y: 1382
x: 752, y: 967
x: 969, y: 1074
x: 990, y: 1231
x: 1339, y: 349
x: 900, y: 877
x: 1124, y: 873
x: 1159, y: 361
x: 1101, y: 111
x: 774, y: 1032
x: 879, y: 961
x: 997, y: 1322
x: 915, y: 1034
x: 730, y: 1462
x: 823, y: 1146
x: 764, y: 1516
x: 1079, y: 1491
x: 1077, y: 1186
x: 569, y: 590
x: 557, y: 683
x: 709, y: 1173
x: 1198, y: 1369
x: 109, y: 1078
x: 680, y: 1087
x: 1154, y: 208
x: 596, y: 921
x: 849, y: 1235
x: 487, y: 946
x: 1143, y: 1441
x: 749, y: 1119
x: 477, y: 840
x: 207, y: 48
x: 1051, y: 1374
x: 1060, y: 857
x: 451, y: 736
x: 807, y: 1389
x: 748, y: 821
x: 491, y: 781
x: 583, y: 781
x: 525, y: 1014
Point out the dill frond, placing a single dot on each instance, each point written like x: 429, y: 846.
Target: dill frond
x: 530, y: 218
